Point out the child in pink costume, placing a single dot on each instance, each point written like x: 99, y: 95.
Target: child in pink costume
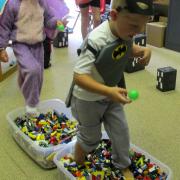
x: 23, y: 22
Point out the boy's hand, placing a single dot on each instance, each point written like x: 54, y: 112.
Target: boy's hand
x: 64, y: 21
x: 59, y: 23
x: 146, y: 56
x: 119, y: 95
x: 3, y: 55
x: 143, y: 53
x: 116, y: 94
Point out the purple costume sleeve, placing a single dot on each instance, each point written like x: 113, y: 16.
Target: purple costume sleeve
x: 50, y: 20
x: 56, y: 10
x: 51, y: 13
x: 7, y: 20
x: 59, y: 8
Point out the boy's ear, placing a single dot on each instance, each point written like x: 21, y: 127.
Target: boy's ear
x: 113, y: 14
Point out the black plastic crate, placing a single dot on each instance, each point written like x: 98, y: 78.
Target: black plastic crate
x: 166, y: 78
x: 133, y: 65
x: 61, y: 40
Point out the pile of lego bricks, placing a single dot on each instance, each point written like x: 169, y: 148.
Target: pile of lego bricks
x: 98, y: 165
x: 47, y: 129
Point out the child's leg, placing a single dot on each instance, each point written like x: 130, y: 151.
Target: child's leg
x: 95, y: 6
x: 84, y: 21
x: 96, y: 16
x: 79, y: 154
x: 47, y: 52
x: 88, y: 114
x: 117, y: 129
x: 31, y: 65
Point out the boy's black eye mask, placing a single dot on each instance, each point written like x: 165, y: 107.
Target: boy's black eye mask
x: 144, y: 7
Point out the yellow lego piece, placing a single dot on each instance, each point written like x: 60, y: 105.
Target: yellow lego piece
x: 97, y: 173
x: 32, y: 136
x: 51, y: 156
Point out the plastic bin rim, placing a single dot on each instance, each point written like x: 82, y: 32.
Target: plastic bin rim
x: 42, y: 102
x: 36, y: 146
x: 153, y: 159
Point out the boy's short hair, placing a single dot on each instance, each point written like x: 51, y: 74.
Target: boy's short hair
x: 144, y: 7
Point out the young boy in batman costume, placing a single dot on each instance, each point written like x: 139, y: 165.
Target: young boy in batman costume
x: 98, y: 93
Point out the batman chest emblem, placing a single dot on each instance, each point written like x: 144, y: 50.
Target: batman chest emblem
x: 119, y: 52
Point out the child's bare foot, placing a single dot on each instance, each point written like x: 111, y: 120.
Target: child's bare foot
x: 79, y: 154
x: 127, y: 174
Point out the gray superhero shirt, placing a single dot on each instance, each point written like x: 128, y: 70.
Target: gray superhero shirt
x: 111, y: 61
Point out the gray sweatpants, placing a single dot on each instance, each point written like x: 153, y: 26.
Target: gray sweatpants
x: 30, y: 59
x: 91, y: 115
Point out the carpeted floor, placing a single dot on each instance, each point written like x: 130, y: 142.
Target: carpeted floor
x: 153, y: 118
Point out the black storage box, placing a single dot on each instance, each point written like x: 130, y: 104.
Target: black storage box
x: 61, y: 40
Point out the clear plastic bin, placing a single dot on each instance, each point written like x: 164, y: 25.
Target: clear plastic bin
x: 66, y: 175
x: 42, y: 155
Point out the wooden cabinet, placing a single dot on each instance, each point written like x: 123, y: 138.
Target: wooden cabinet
x: 173, y: 28
x: 8, y: 68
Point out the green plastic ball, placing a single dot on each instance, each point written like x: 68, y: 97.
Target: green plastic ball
x: 133, y: 94
x: 60, y: 27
